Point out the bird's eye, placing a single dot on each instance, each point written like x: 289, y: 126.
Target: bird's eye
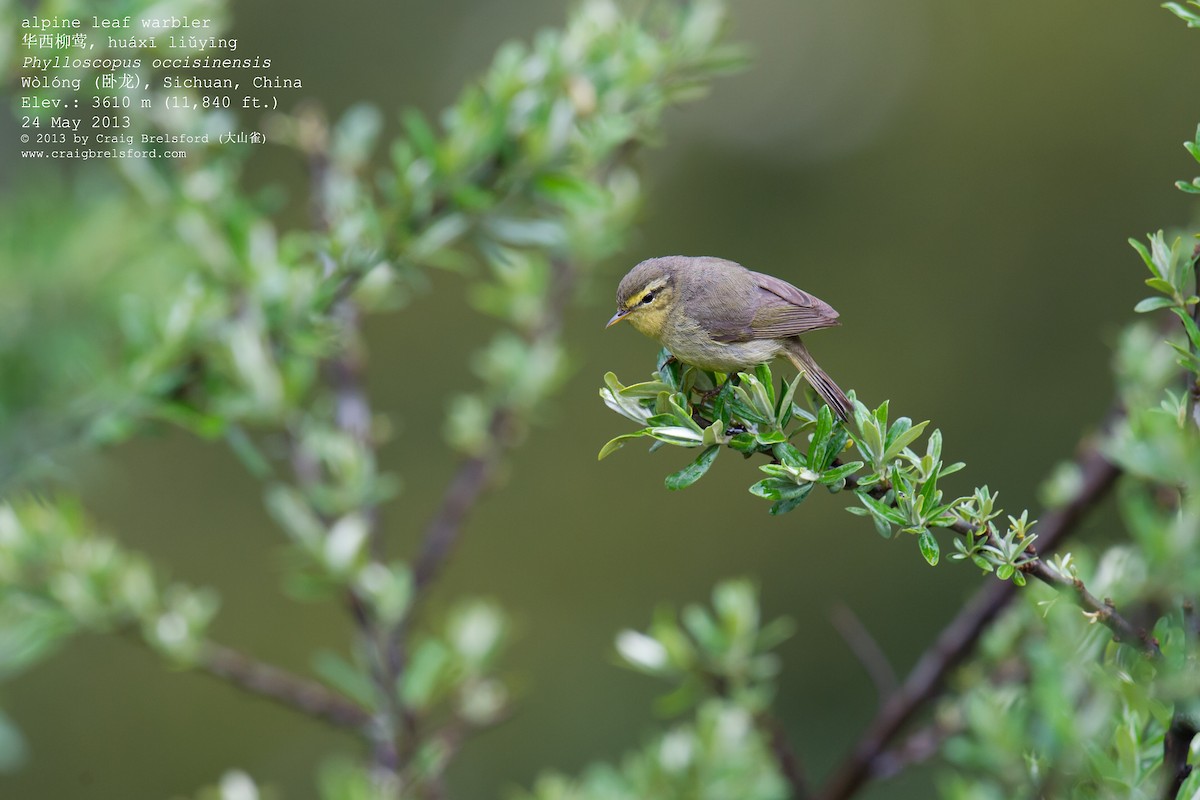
x: 648, y: 299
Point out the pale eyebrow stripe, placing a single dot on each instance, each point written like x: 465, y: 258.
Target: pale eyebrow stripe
x: 637, y: 298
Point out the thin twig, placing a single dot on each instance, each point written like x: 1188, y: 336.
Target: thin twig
x: 343, y: 375
x: 464, y: 491
x: 784, y: 754
x: 473, y: 475
x: 285, y: 688
x: 957, y: 639
x: 1103, y: 612
x: 866, y: 649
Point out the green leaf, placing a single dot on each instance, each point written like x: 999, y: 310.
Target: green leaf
x: 616, y: 397
x: 427, y: 676
x: 439, y: 235
x: 694, y: 471
x: 779, y: 471
x: 952, y: 468
x: 880, y: 510
x: 870, y: 439
x: 1189, y: 325
x: 564, y: 188
x: 929, y: 493
x: 13, y: 749
x: 818, y: 449
x: 744, y: 443
x: 675, y: 702
x: 1161, y: 284
x: 343, y: 676
x: 763, y: 373
x: 1186, y: 14
x: 527, y: 231
x: 838, y: 473
x: 704, y: 630
x: 770, y: 437
x: 898, y: 440
x: 419, y: 133
x: 714, y: 434
x: 685, y: 437
x: 1145, y: 254
x: 794, y: 499
x: 683, y: 416
x: 1153, y: 304
x: 783, y: 412
x: 248, y: 453
x: 929, y: 547
x: 752, y: 401
x: 774, y: 488
x: 615, y: 444
x: 775, y: 633
x: 204, y: 425
x: 790, y: 456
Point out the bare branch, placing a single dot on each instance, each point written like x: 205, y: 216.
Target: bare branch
x: 957, y: 639
x: 274, y: 683
x: 467, y: 486
x: 866, y: 649
x: 917, y: 748
x: 1103, y: 612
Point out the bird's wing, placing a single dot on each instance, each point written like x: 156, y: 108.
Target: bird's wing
x: 782, y: 310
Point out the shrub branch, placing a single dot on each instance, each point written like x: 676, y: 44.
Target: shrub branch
x: 272, y: 682
x: 957, y: 640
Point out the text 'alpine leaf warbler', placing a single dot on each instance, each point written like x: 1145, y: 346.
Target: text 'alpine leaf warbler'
x: 717, y: 315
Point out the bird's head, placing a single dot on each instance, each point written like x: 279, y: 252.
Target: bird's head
x: 647, y: 294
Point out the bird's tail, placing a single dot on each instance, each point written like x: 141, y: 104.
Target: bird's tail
x: 839, y: 404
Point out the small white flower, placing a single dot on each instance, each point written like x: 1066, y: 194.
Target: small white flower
x: 237, y: 785
x: 641, y: 650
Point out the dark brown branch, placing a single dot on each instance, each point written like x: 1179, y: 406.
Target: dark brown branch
x: 1176, y: 744
x: 957, y: 639
x: 266, y: 680
x: 917, y: 748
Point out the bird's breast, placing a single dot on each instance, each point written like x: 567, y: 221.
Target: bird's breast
x: 692, y: 344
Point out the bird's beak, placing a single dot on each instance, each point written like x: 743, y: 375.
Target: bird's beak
x: 617, y: 317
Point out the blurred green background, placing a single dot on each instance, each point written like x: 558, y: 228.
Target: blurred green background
x: 974, y: 166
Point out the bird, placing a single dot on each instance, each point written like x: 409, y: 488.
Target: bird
x: 717, y: 315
